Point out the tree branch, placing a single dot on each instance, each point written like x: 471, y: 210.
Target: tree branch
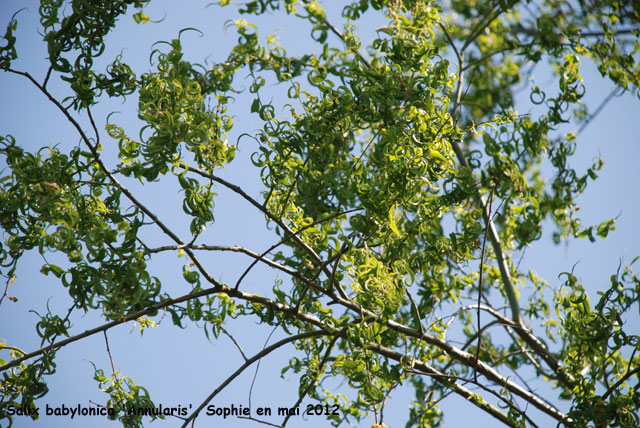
x: 337, y: 32
x: 446, y: 381
x: 107, y: 326
x: 484, y: 369
x: 484, y: 244
x: 222, y: 288
x: 620, y: 382
x: 249, y: 362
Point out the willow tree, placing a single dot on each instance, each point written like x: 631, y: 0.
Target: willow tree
x: 398, y: 178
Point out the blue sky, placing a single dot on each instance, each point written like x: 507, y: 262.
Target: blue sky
x: 180, y: 367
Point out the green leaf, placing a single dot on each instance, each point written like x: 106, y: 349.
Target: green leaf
x: 140, y: 18
x: 255, y: 105
x: 392, y: 223
x: 437, y: 154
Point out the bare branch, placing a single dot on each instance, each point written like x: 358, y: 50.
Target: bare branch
x: 249, y: 362
x: 106, y: 341
x: 453, y: 45
x: 484, y: 245
x: 599, y: 109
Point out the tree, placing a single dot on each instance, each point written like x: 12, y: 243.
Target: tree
x: 398, y: 177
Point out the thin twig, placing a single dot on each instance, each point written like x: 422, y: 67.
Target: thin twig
x: 256, y: 357
x: 416, y: 310
x: 266, y: 212
x: 598, y: 110
x: 479, y: 28
x: 453, y: 45
x: 46, y: 78
x: 8, y: 283
x: 620, y: 382
x: 294, y: 235
x: 106, y: 341
x: 484, y: 244
x: 234, y: 249
x: 235, y: 342
x: 93, y: 124
x: 255, y: 374
x: 312, y: 382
